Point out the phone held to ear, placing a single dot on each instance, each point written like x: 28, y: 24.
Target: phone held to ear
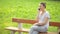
x: 39, y: 9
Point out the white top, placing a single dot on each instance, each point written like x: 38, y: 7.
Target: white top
x: 42, y: 17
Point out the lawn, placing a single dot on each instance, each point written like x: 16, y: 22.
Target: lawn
x: 26, y: 9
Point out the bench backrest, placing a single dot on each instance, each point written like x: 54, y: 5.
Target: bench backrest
x: 57, y: 24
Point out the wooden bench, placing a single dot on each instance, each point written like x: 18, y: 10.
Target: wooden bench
x: 20, y: 29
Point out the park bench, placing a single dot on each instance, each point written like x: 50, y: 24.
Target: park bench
x: 20, y: 29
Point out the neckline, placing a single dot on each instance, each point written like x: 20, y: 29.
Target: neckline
x: 42, y: 14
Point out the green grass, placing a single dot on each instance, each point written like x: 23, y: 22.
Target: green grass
x: 26, y: 9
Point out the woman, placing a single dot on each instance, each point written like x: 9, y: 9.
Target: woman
x: 43, y: 20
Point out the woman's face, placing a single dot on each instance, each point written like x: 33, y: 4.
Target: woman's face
x: 41, y: 7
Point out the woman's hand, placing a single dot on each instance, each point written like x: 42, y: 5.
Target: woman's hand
x: 38, y: 24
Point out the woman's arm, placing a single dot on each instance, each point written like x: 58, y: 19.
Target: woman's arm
x: 46, y: 18
x: 44, y: 22
x: 37, y: 17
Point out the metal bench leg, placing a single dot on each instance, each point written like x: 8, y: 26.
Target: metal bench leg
x: 59, y: 30
x: 20, y: 27
x: 20, y: 32
x: 12, y: 32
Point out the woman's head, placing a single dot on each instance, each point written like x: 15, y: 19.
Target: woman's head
x: 42, y: 5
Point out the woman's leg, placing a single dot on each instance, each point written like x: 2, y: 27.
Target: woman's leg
x: 37, y: 29
x: 33, y: 30
x: 42, y: 29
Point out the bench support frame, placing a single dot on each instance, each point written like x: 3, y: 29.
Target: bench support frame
x: 12, y: 32
x: 20, y: 27
x: 58, y: 30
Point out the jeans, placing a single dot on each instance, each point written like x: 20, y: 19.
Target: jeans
x: 36, y: 29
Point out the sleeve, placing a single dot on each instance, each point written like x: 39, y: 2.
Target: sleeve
x: 47, y: 15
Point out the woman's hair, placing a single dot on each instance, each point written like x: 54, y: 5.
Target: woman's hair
x: 44, y: 4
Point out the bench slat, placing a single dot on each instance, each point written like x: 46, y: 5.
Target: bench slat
x: 25, y: 30
x: 23, y: 21
x: 49, y: 33
x: 17, y: 29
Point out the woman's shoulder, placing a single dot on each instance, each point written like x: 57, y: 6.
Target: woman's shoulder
x: 46, y: 12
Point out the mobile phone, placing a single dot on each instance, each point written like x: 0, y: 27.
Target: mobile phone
x: 39, y: 9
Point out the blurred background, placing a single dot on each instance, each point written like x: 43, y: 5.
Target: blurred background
x: 26, y: 9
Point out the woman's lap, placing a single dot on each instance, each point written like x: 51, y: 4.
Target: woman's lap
x: 39, y: 28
